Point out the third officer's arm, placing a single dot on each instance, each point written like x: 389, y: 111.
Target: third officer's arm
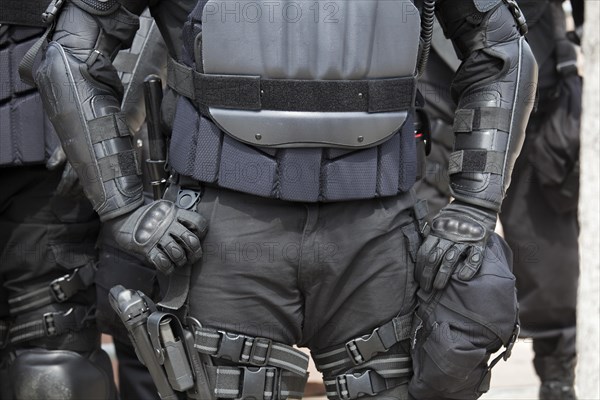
x: 494, y: 89
x: 82, y: 95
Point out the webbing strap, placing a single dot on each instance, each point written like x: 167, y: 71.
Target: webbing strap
x: 250, y: 350
x: 469, y: 120
x: 108, y: 127
x: 382, y: 374
x: 256, y: 383
x: 484, y: 161
x: 58, y: 291
x: 243, y: 92
x: 360, y: 350
x: 49, y: 324
x: 120, y: 164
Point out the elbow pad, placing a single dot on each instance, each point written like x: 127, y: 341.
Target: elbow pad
x: 81, y: 92
x: 495, y: 91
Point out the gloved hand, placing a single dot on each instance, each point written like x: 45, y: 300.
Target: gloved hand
x: 165, y: 235
x: 457, y: 241
x: 68, y: 185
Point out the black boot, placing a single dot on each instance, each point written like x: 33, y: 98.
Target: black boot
x: 558, y: 376
x: 557, y: 390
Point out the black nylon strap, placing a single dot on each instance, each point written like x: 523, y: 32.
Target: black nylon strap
x: 21, y: 12
x: 120, y: 164
x: 49, y: 324
x: 382, y: 374
x: 484, y: 161
x: 108, y: 127
x: 360, y: 350
x: 256, y: 383
x: 256, y: 351
x: 58, y: 291
x: 469, y: 120
x: 253, y: 93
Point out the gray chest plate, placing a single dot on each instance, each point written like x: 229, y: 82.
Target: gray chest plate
x: 310, y: 40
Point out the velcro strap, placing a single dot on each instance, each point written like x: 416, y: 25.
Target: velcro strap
x: 382, y: 374
x: 125, y: 163
x: 58, y: 291
x: 360, y: 350
x: 483, y: 161
x: 49, y: 324
x: 469, y: 120
x: 250, y: 350
x: 243, y: 92
x: 256, y: 383
x: 108, y: 127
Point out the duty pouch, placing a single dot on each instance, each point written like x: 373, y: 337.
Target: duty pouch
x: 456, y: 330
x: 554, y: 150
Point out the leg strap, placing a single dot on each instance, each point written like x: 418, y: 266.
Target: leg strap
x: 359, y: 350
x: 49, y: 324
x: 274, y: 370
x: 254, y: 351
x: 368, y: 370
x: 58, y: 291
x: 267, y: 383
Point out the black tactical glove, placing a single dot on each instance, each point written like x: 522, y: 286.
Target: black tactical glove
x: 457, y: 241
x: 165, y: 235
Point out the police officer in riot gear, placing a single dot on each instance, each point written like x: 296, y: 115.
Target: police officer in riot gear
x: 540, y: 208
x: 539, y: 215
x: 49, y: 237
x: 293, y: 156
x: 49, y: 343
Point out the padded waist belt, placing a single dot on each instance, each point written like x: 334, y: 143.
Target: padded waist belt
x: 253, y: 93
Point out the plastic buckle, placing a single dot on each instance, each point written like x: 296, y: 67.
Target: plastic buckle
x: 254, y: 348
x: 51, y: 12
x: 231, y: 346
x: 50, y: 322
x: 362, y: 349
x: 64, y: 287
x: 253, y: 383
x: 350, y: 386
x: 512, y: 341
x: 517, y: 14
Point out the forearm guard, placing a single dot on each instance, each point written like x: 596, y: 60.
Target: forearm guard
x: 82, y: 93
x: 495, y: 90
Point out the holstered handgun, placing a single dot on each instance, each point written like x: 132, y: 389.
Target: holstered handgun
x: 162, y: 345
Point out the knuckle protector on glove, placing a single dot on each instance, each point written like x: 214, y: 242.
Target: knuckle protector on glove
x: 459, y: 228
x: 154, y: 222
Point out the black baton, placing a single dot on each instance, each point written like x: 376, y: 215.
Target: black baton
x: 156, y: 141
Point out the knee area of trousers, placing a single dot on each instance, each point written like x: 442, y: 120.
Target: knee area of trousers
x: 61, y: 374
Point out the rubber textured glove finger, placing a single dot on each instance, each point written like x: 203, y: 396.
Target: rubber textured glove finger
x: 173, y: 250
x: 472, y: 264
x: 160, y: 261
x: 448, y: 265
x: 434, y: 248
